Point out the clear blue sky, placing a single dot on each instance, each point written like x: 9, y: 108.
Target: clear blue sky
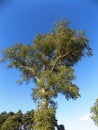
x: 20, y: 21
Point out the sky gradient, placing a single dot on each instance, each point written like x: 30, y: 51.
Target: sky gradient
x: 20, y: 21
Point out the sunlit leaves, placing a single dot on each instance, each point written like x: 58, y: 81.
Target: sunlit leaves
x: 94, y: 111
x: 45, y: 119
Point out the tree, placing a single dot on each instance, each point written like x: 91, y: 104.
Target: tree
x: 3, y: 117
x: 12, y: 122
x: 49, y: 61
x: 10, y: 113
x: 94, y: 111
x: 27, y: 120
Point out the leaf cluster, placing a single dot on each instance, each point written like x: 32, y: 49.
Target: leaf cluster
x: 14, y: 121
x: 94, y: 111
x: 64, y: 46
x: 44, y: 119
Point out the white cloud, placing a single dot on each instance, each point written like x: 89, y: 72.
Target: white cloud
x: 85, y: 117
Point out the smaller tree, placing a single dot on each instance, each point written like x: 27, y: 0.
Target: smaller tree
x: 94, y: 111
x: 3, y: 117
x: 27, y: 120
x: 12, y: 122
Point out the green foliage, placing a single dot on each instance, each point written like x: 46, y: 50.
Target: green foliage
x: 49, y: 61
x: 12, y: 121
x: 3, y: 117
x: 54, y: 83
x: 28, y: 120
x: 94, y: 111
x: 44, y: 119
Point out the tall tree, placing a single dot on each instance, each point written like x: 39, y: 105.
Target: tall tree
x: 49, y: 61
x: 94, y: 111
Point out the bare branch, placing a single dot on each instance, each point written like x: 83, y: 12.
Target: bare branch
x: 58, y: 58
x: 30, y: 69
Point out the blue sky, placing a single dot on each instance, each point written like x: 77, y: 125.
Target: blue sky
x: 20, y: 21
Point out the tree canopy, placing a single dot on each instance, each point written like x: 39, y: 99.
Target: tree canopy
x: 94, y: 111
x: 14, y: 121
x: 50, y: 61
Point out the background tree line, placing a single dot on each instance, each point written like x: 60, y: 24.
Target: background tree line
x: 16, y: 121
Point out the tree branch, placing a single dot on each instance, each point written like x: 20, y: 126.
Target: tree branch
x: 62, y: 56
x: 30, y: 69
x: 26, y: 67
